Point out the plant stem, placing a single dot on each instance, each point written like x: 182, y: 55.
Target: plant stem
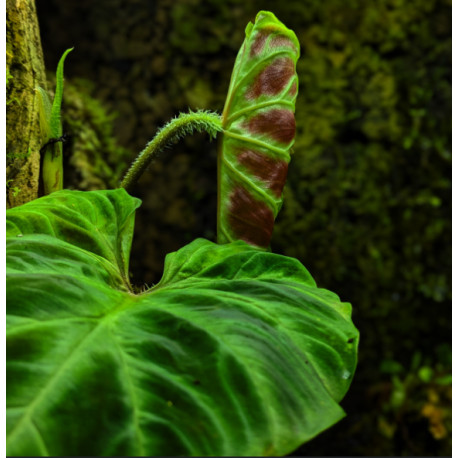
x: 52, y: 169
x: 184, y: 124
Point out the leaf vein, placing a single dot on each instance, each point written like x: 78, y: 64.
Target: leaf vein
x: 41, y: 441
x: 251, y: 184
x: 133, y: 396
x: 239, y: 113
x: 28, y: 413
x: 254, y: 141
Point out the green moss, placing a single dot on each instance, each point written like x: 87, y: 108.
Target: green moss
x: 9, y: 98
x: 15, y: 190
x: 8, y: 76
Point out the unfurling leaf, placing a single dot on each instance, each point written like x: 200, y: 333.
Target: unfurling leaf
x: 51, y: 130
x: 258, y: 132
x: 56, y: 125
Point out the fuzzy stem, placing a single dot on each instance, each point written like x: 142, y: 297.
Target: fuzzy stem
x: 184, y: 124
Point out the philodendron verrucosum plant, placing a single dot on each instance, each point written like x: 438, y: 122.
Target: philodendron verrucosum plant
x: 234, y: 352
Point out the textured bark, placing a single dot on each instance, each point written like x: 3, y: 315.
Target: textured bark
x: 24, y: 60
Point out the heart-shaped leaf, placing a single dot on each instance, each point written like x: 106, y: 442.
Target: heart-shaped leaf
x: 235, y: 351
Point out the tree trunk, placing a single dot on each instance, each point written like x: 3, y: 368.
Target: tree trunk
x: 25, y: 71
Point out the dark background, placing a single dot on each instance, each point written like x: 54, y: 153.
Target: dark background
x: 368, y: 200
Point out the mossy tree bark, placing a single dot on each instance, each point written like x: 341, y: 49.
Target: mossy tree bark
x: 25, y: 71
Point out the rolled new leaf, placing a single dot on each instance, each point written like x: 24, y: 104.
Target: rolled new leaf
x: 51, y: 127
x: 258, y: 132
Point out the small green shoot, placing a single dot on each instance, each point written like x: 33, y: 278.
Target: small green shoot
x: 51, y: 131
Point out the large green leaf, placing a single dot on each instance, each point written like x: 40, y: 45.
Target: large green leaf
x: 235, y: 351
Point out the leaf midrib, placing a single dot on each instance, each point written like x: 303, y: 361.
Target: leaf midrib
x: 42, y: 394
x: 103, y: 323
x: 133, y: 396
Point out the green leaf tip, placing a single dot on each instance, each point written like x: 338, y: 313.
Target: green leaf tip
x: 56, y: 126
x: 266, y: 19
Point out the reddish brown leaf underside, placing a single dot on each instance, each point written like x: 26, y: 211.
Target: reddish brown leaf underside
x: 250, y: 220
x: 280, y: 40
x: 278, y: 124
x: 258, y: 43
x: 272, y: 79
x: 272, y: 171
x: 260, y: 40
x: 277, y: 40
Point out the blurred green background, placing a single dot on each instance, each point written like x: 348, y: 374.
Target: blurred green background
x: 368, y: 200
